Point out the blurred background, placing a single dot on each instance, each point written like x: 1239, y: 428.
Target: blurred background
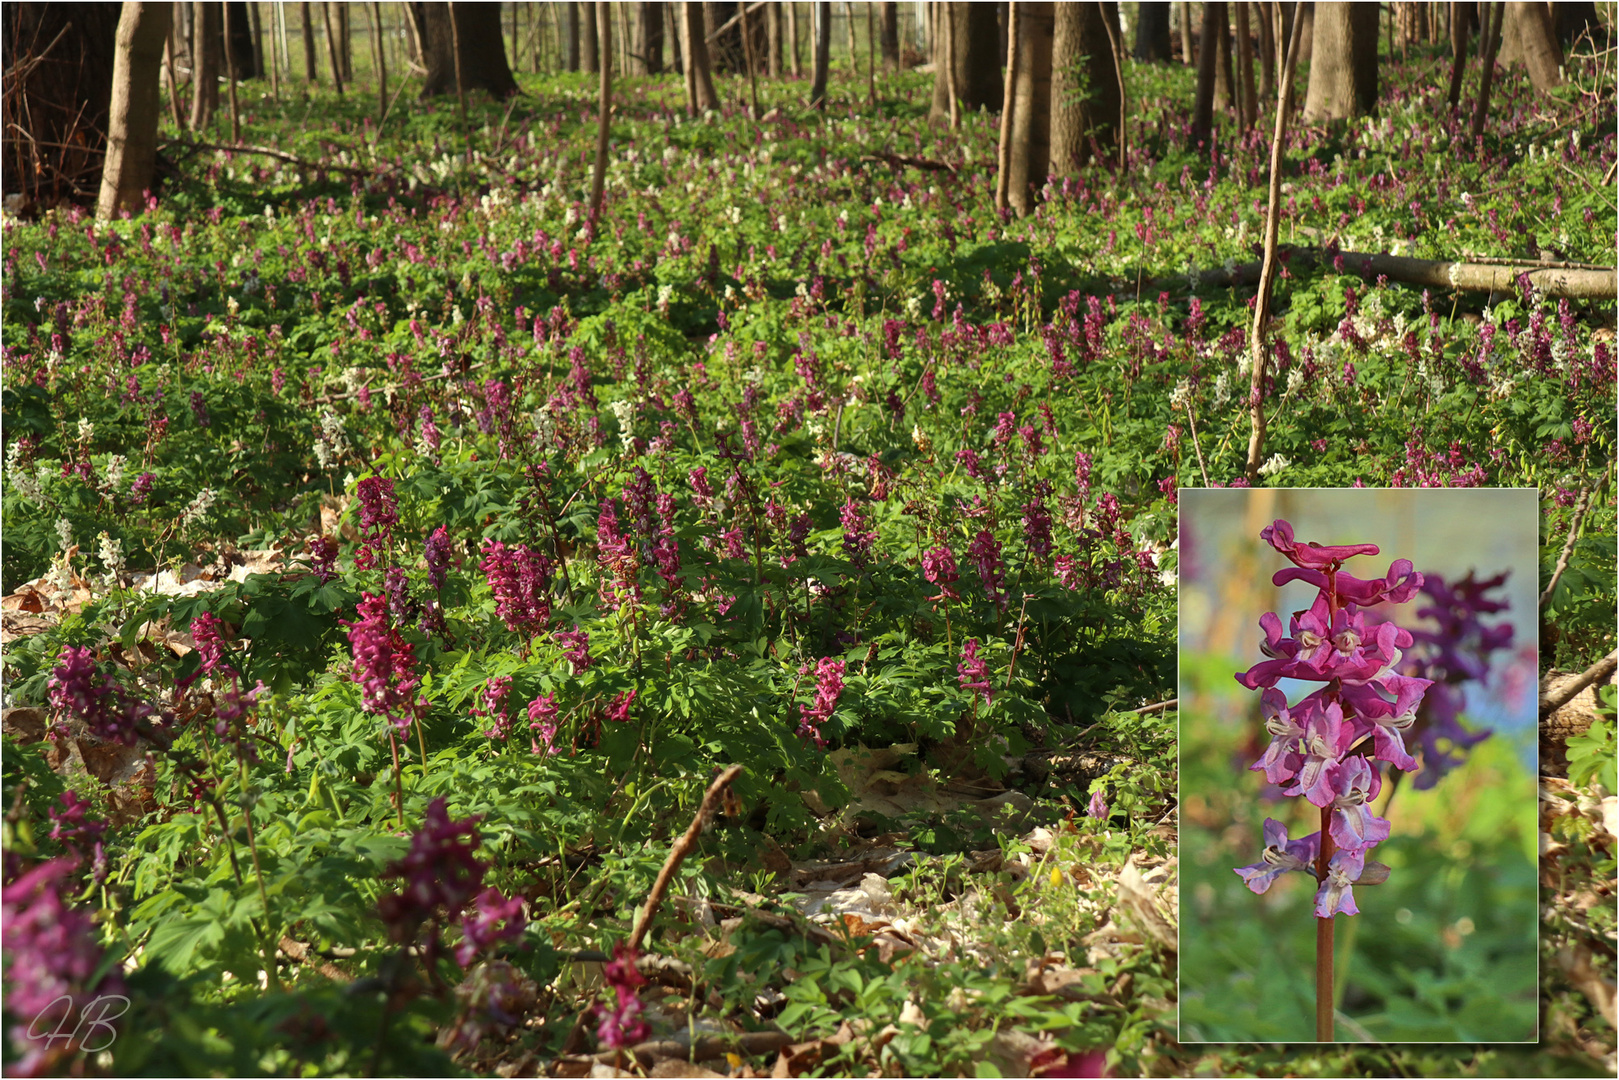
x: 1446, y: 949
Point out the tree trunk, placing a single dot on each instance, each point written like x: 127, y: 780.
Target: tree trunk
x: 891, y: 35
x: 379, y: 53
x: 1030, y: 158
x: 590, y: 55
x: 1575, y: 18
x: 204, y: 63
x: 1343, y: 82
x: 795, y: 60
x: 1534, y: 44
x: 135, y: 108
x: 573, y: 35
x: 482, y: 56
x: 1224, y: 85
x: 1267, y: 54
x: 977, y: 65
x: 332, y: 58
x: 257, y: 32
x: 1003, y: 157
x: 1184, y: 11
x: 699, y: 79
x: 1247, y: 107
x: 1084, y: 101
x: 1458, y: 53
x: 823, y: 50
x: 311, y: 65
x: 1490, y: 44
x: 1306, y: 11
x: 1208, y: 65
x: 345, y: 54
x: 604, y: 108
x: 1152, y: 32
x: 649, y: 47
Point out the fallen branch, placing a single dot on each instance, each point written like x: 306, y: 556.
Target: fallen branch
x: 733, y: 20
x: 1573, y: 535
x: 1435, y: 273
x: 1553, y: 700
x: 908, y: 161
x: 265, y: 151
x: 677, y: 854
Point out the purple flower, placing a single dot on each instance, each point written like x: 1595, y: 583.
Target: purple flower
x: 856, y: 541
x: 939, y: 567
x: 384, y: 665
x: 575, y: 648
x: 491, y: 704
x: 1335, y: 895
x: 542, y: 718
x: 379, y: 507
x: 1281, y: 855
x: 441, y: 873
x: 973, y: 672
x: 828, y: 688
x: 78, y: 689
x: 1098, y: 805
x: 480, y: 928
x: 51, y: 955
x: 985, y: 553
x: 520, y: 578
x: 1355, y: 784
x: 1311, y: 556
x: 438, y: 553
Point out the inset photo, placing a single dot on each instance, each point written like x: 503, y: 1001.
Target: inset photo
x: 1358, y: 763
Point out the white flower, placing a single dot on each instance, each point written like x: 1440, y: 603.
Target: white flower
x: 112, y: 473
x: 87, y: 430
x: 665, y: 294
x: 64, y: 532
x: 1295, y: 379
x: 112, y: 557
x: 1222, y: 389
x: 199, y: 506
x: 735, y: 214
x: 1275, y: 465
x: 1179, y: 396
x: 332, y: 441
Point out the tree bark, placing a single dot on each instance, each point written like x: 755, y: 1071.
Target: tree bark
x: 604, y: 109
x: 650, y: 46
x: 1008, y: 107
x: 229, y: 52
x: 1343, y: 79
x: 482, y: 53
x: 1490, y: 29
x: 772, y: 14
x: 204, y: 63
x: 1534, y: 43
x: 379, y: 54
x: 311, y: 65
x: 1225, y: 96
x: 700, y: 80
x: 1574, y: 283
x: 977, y: 67
x: 795, y: 59
x: 1084, y: 102
x: 345, y: 54
x: 1458, y: 53
x: 1208, y: 65
x: 823, y: 50
x: 1247, y: 106
x: 332, y: 58
x: 573, y: 35
x: 135, y: 108
x: 1267, y: 54
x: 590, y: 56
x: 1152, y: 32
x: 1184, y: 11
x: 1030, y: 159
x: 891, y: 35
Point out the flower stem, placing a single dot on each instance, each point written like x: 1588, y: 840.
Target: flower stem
x: 1323, y: 941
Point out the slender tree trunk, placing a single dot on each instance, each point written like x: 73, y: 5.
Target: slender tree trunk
x: 1085, y: 102
x: 276, y: 51
x: 1004, y: 156
x: 1224, y: 85
x: 823, y: 48
x: 697, y: 71
x: 1267, y: 274
x: 256, y: 25
x: 168, y: 68
x: 311, y: 68
x: 795, y: 56
x: 230, y: 76
x: 651, y: 43
x: 1208, y: 64
x: 1491, y: 29
x: 591, y: 58
x: 891, y: 35
x: 344, y: 51
x: 1343, y: 77
x: 379, y: 53
x: 871, y: 56
x: 604, y: 110
x: 1267, y: 53
x: 332, y: 58
x: 1247, y: 107
x: 747, y: 58
x: 143, y: 31
x: 204, y: 63
x: 951, y: 52
x: 976, y: 68
x: 1458, y: 55
x: 1184, y: 9
x: 574, y: 51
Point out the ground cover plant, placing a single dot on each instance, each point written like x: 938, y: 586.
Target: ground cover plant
x: 394, y: 552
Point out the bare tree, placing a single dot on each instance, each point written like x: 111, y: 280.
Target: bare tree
x: 311, y: 67
x: 1208, y: 63
x: 823, y: 50
x: 1489, y: 45
x: 573, y: 35
x: 204, y: 63
x: 891, y: 35
x: 1152, y: 31
x: 604, y: 109
x: 976, y: 69
x: 132, y: 123
x: 1030, y: 119
x: 1247, y: 107
x: 699, y: 80
x: 1084, y: 102
x: 591, y: 56
x: 650, y: 47
x: 463, y: 48
x: 1458, y: 49
x: 1531, y: 39
x: 1343, y: 75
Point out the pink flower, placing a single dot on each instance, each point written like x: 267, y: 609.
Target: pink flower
x: 973, y: 671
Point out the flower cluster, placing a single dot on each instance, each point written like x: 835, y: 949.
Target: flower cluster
x: 442, y: 876
x: 623, y: 1025
x: 520, y: 578
x: 1319, y: 745
x: 51, y: 956
x: 1455, y: 653
x: 384, y: 665
x: 77, y: 689
x: 828, y: 686
x: 973, y: 671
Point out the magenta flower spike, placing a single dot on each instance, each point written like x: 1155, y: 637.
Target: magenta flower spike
x: 1329, y: 747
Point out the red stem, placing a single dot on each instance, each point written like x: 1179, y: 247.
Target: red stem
x: 1323, y: 940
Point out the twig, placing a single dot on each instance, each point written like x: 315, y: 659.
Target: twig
x: 678, y: 853
x: 1573, y: 535
x: 1156, y: 707
x: 1553, y: 700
